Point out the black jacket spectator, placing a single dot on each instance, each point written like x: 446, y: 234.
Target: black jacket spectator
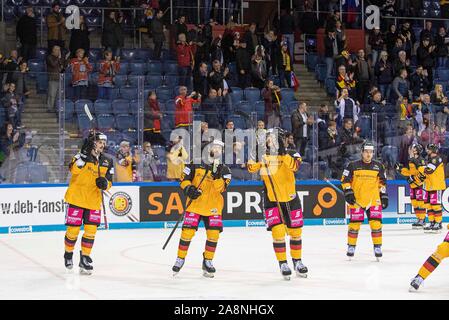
x: 426, y: 55
x: 329, y: 43
x: 376, y: 41
x: 113, y: 36
x: 287, y: 24
x: 200, y: 83
x: 419, y: 84
x: 251, y: 39
x: 26, y: 31
x: 243, y: 60
x: 384, y: 72
x: 79, y: 39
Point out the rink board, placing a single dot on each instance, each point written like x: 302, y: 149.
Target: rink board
x: 37, y: 208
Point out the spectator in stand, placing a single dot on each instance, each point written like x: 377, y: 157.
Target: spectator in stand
x: 364, y: 76
x: 176, y: 158
x: 55, y: 66
x: 300, y: 122
x: 79, y: 38
x: 157, y: 30
x: 348, y: 141
x: 272, y: 45
x: 251, y: 39
x: 109, y: 67
x: 345, y: 60
x: 200, y: 83
x: 184, y: 55
x: 376, y: 41
x: 184, y: 107
x: 408, y: 37
x: 272, y: 97
x: 331, y: 50
x: 287, y: 29
x: 285, y: 66
x: 81, y: 68
x: 398, y: 47
x: 290, y: 139
x: 407, y: 139
x: 152, y: 121
x: 401, y: 62
x: 426, y: 134
x: 425, y: 55
x: 56, y: 27
x: 384, y: 73
x: 340, y: 34
x: 346, y: 108
x: 125, y: 164
x: 113, y: 38
x: 20, y: 79
x: 211, y: 108
x: 440, y: 101
x: 419, y: 82
x: 427, y: 32
x: 390, y: 40
x: 331, y: 21
x: 427, y: 107
x: 259, y: 71
x: 11, y: 65
x: 228, y: 45
x: 345, y: 81
x: 238, y: 166
x: 322, y: 123
x: 216, y: 50
x: 10, y: 143
x: 243, y: 64
x: 442, y: 50
x: 26, y: 32
x: 217, y: 78
x: 150, y: 164
x: 400, y: 87
x: 377, y: 106
x: 181, y: 26
x: 13, y: 104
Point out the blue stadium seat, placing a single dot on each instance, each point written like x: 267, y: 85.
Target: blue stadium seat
x: 170, y: 105
x: 105, y: 121
x: 259, y: 107
x: 134, y: 106
x: 130, y: 135
x: 79, y: 105
x: 93, y: 21
x: 292, y: 106
x: 154, y: 80
x: 128, y: 93
x: 42, y: 83
x: 244, y: 106
x: 143, y: 54
x: 164, y: 93
x: 330, y: 86
x: 239, y: 122
x: 84, y: 123
x: 124, y: 68
x: 146, y: 92
x: 120, y: 80
x: 389, y: 155
x: 125, y: 122
x: 443, y: 74
x: 236, y: 95
x: 168, y: 121
x: 69, y: 111
x: 93, y: 79
x: 35, y: 66
x: 365, y: 126
x: 41, y: 54
x: 155, y: 67
x: 120, y: 106
x: 276, y: 80
x: 114, y: 137
x: 133, y: 80
x: 38, y: 173
x: 170, y: 67
x: 287, y: 122
x: 304, y: 172
x: 138, y: 68
x: 288, y: 95
x: 128, y: 54
x: 171, y: 80
x: 95, y: 54
x: 320, y: 72
x: 311, y: 61
x: 252, y: 95
x: 102, y: 106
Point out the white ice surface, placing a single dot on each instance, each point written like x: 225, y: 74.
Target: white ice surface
x: 130, y: 264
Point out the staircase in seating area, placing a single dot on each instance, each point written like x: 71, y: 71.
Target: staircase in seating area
x: 310, y: 91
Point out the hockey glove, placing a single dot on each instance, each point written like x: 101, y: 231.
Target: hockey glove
x: 411, y: 179
x: 384, y: 200
x: 192, y: 192
x: 349, y: 196
x: 79, y: 161
x: 87, y: 148
x: 216, y: 170
x: 102, y: 183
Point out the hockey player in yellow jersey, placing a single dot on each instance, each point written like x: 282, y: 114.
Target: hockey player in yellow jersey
x: 414, y: 172
x: 364, y: 185
x: 91, y: 173
x: 282, y: 206
x: 431, y: 264
x: 434, y: 185
x: 203, y: 184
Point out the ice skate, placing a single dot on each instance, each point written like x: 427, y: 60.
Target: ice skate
x: 420, y: 224
x: 300, y: 268
x: 285, y: 270
x: 416, y: 282
x: 429, y: 227
x: 350, y: 252
x: 437, y: 227
x: 85, y: 264
x: 179, y: 263
x: 68, y: 260
x: 378, y: 252
x: 208, y: 268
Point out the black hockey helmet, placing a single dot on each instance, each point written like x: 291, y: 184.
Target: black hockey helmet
x: 432, y: 147
x: 97, y: 135
x: 367, y: 146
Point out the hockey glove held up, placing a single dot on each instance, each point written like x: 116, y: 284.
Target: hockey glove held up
x: 102, y: 183
x: 384, y: 200
x: 192, y: 192
x: 87, y: 148
x: 350, y: 197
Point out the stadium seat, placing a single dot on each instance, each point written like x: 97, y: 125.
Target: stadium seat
x: 311, y: 61
x: 236, y: 95
x: 95, y: 54
x: 330, y: 86
x: 128, y: 93
x: 170, y: 67
x: 120, y: 80
x: 105, y: 121
x: 133, y: 80
x: 288, y: 95
x: 239, y: 122
x: 41, y: 54
x: 305, y: 172
x: 143, y: 54
x: 287, y: 122
x: 153, y: 79
x: 102, y: 106
x: 390, y: 155
x: 125, y: 122
x: 124, y: 68
x: 320, y: 72
x: 365, y: 126
x: 35, y: 66
x: 134, y: 107
x: 155, y: 67
x: 69, y: 111
x: 171, y: 80
x: 168, y: 121
x: 120, y: 106
x: 38, y: 173
x: 128, y: 54
x: 84, y: 123
x: 276, y: 80
x: 170, y: 105
x: 42, y: 83
x: 443, y: 74
x: 79, y: 105
x: 138, y: 68
x: 252, y: 95
x: 164, y: 93
x: 93, y: 79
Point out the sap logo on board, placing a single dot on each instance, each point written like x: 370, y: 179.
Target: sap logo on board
x: 22, y: 229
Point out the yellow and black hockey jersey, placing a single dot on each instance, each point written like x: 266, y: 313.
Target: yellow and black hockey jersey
x: 367, y: 180
x: 83, y: 191
x: 415, y: 169
x: 282, y: 170
x: 211, y: 201
x: 434, y: 171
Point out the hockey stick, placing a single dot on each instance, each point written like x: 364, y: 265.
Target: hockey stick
x: 182, y: 215
x: 91, y: 119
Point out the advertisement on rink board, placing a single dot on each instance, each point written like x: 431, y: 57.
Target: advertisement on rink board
x: 242, y: 202
x: 22, y: 208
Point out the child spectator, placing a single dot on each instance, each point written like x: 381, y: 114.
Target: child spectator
x: 80, y: 74
x: 108, y: 70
